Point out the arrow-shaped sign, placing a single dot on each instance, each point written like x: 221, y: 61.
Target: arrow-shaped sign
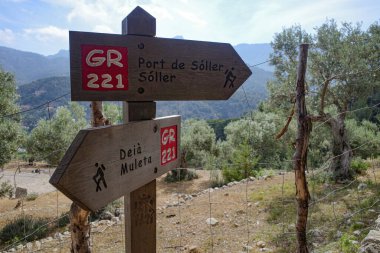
x: 103, y: 164
x: 139, y: 68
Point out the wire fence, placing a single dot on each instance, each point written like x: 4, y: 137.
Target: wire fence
x: 254, y: 214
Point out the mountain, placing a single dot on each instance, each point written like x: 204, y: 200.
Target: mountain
x: 28, y: 67
x: 245, y: 99
x: 39, y: 92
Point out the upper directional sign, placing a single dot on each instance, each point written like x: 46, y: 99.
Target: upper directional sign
x: 105, y: 163
x: 139, y: 68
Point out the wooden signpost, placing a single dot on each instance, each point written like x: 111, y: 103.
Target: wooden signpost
x: 141, y: 68
x: 103, y: 164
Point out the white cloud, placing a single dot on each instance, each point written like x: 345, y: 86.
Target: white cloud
x: 6, y: 36
x: 48, y: 33
x: 192, y: 17
x: 102, y: 29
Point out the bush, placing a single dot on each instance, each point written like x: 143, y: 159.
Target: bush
x: 347, y: 245
x: 216, y: 178
x: 63, y: 220
x: 6, y: 189
x: 180, y: 175
x: 359, y: 166
x: 20, y: 227
x: 32, y: 196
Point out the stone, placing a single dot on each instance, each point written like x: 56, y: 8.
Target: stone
x: 261, y: 244
x: 21, y: 192
x: 338, y: 234
x: 247, y: 248
x: 236, y: 225
x: 115, y: 219
x: 226, y: 194
x: 106, y: 216
x: 66, y: 233
x: 171, y: 215
x: 362, y: 186
x: 38, y: 245
x: 357, y: 232
x: 194, y: 249
x: 20, y: 247
x: 29, y: 246
x: 212, y: 221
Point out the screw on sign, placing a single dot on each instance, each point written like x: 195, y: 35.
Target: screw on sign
x: 104, y: 67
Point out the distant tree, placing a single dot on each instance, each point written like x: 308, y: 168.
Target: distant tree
x: 113, y: 113
x: 259, y: 133
x: 11, y: 133
x: 197, y: 140
x: 343, y: 66
x: 51, y: 138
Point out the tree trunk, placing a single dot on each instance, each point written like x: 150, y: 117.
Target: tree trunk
x: 80, y: 230
x: 342, y: 152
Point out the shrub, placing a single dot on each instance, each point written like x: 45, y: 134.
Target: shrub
x: 20, y: 227
x: 216, y: 178
x: 63, y: 220
x: 6, y: 189
x: 180, y: 175
x: 347, y: 244
x: 359, y: 166
x: 32, y: 196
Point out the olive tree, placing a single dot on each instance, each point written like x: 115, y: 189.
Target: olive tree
x: 50, y: 139
x: 343, y: 65
x: 11, y: 133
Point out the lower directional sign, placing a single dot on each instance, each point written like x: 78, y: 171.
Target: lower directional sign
x: 103, y: 164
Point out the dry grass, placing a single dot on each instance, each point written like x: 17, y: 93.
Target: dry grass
x: 262, y: 210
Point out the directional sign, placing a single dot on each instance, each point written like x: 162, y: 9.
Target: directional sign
x: 103, y: 164
x: 139, y: 68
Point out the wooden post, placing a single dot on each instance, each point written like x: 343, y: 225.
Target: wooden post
x: 79, y: 221
x: 300, y: 156
x: 140, y: 205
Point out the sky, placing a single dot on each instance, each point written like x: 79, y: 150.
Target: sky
x: 42, y: 26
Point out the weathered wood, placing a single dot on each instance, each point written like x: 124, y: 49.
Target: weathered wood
x: 139, y: 22
x: 80, y: 230
x: 105, y: 163
x: 140, y: 205
x: 300, y: 157
x: 151, y: 68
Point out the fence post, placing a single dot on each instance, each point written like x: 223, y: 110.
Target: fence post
x: 79, y: 218
x: 300, y: 156
x: 140, y: 205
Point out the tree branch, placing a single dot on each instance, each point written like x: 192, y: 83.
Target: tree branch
x: 285, y: 128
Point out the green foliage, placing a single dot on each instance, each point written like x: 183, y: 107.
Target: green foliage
x: 197, y: 141
x: 18, y: 228
x: 259, y: 133
x: 218, y: 125
x: 180, y: 175
x: 243, y: 164
x: 6, y: 189
x: 113, y: 113
x: 11, y: 133
x: 359, y: 166
x: 63, y: 220
x: 364, y: 132
x: 347, y: 245
x: 50, y: 139
x: 31, y: 196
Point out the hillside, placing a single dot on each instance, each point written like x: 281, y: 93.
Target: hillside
x: 28, y: 67
x: 43, y: 90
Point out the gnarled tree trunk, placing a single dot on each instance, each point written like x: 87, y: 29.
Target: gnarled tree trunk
x: 342, y: 152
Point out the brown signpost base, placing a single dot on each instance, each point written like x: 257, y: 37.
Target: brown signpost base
x: 140, y: 205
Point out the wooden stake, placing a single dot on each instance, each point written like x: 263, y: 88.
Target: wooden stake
x: 140, y: 205
x: 300, y: 156
x: 79, y: 218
